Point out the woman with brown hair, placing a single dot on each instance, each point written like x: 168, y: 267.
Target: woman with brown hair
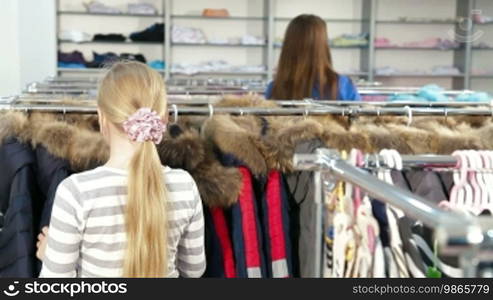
x: 305, y: 67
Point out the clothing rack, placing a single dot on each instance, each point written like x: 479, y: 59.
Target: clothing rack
x: 220, y: 86
x: 176, y: 107
x: 465, y: 236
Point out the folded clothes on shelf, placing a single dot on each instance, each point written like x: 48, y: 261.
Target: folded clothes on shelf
x: 252, y: 40
x: 100, y: 8
x: 482, y: 45
x: 74, y: 57
x: 187, y: 35
x: 430, y: 92
x: 474, y: 97
x: 431, y: 43
x: 141, y: 9
x: 445, y: 70
x: 102, y: 60
x: 439, y: 43
x: 381, y: 42
x: 385, y: 71
x: 215, y: 13
x: 220, y: 41
x: 435, y: 70
x: 479, y: 18
x: 425, y: 20
x: 110, y: 37
x: 74, y: 36
x: 135, y: 57
x: 157, y: 64
x: 213, y: 66
x: 350, y: 40
x: 71, y: 65
x: 482, y: 71
x: 154, y: 33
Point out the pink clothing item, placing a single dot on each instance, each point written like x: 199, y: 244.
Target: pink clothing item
x: 384, y: 43
x: 145, y: 125
x: 427, y: 43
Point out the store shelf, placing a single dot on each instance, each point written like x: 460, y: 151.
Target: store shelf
x: 84, y: 13
x: 424, y: 75
x: 219, y: 73
x: 417, y: 48
x: 335, y: 47
x: 328, y: 20
x: 218, y: 45
x: 432, y: 22
x: 112, y: 42
x: 87, y: 71
x: 239, y: 18
x: 482, y: 76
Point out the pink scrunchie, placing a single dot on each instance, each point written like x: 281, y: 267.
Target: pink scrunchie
x: 145, y: 125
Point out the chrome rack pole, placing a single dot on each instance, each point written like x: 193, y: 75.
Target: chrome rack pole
x: 452, y: 230
x: 416, y: 161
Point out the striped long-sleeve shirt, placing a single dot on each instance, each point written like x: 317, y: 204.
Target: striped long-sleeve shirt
x: 87, y: 234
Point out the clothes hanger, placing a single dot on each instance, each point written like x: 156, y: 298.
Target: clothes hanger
x: 481, y: 197
x: 488, y: 155
x: 389, y: 162
x: 460, y: 177
x: 175, y: 113
x: 467, y: 199
x: 488, y: 179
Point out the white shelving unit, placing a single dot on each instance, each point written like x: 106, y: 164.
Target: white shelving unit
x: 269, y: 18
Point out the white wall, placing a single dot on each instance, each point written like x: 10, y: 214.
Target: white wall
x: 28, y: 51
x: 9, y: 50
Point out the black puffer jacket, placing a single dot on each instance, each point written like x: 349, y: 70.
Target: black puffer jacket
x: 17, y: 206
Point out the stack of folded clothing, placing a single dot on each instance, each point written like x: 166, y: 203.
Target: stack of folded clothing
x: 482, y: 45
x: 439, y: 43
x: 74, y: 36
x: 187, y: 35
x: 479, y: 18
x: 73, y: 60
x: 76, y: 59
x: 214, y: 66
x: 381, y: 42
x: 136, y: 57
x: 445, y: 70
x: 430, y: 92
x: 474, y: 97
x: 215, y: 13
x: 154, y: 33
x: 110, y: 37
x: 252, y: 40
x: 142, y: 9
x: 350, y: 40
x: 103, y: 60
x: 100, y: 8
x: 157, y: 65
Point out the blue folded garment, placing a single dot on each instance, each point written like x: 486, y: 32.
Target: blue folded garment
x: 157, y: 64
x: 432, y: 93
x: 404, y: 97
x: 474, y: 97
x: 71, y: 65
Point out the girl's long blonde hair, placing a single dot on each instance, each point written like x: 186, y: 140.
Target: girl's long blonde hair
x: 127, y: 87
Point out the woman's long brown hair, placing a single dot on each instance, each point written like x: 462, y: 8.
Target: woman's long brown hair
x: 305, y: 61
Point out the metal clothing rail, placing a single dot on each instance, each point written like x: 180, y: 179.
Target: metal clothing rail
x: 454, y: 231
x: 281, y: 111
x: 208, y: 99
x: 53, y: 85
x: 416, y: 161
